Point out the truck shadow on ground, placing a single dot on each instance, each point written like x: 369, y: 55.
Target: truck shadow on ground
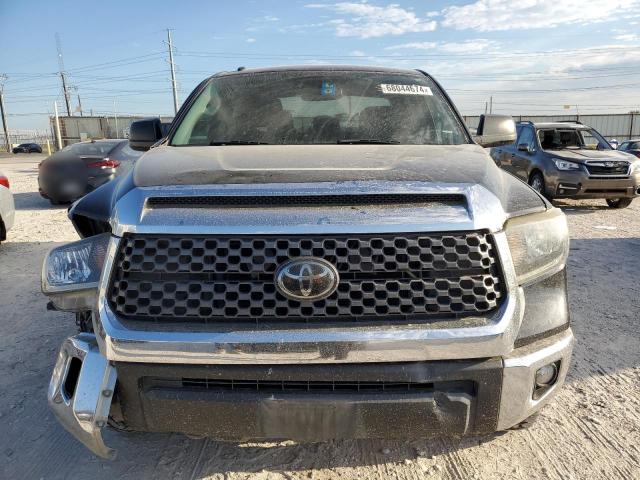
x: 34, y: 201
x: 209, y: 457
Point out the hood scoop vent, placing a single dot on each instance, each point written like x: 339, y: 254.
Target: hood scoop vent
x: 343, y: 200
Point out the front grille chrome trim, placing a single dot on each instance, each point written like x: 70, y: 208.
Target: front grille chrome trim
x: 385, y: 343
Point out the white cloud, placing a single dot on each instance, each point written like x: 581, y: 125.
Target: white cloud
x: 366, y: 21
x: 490, y: 15
x: 250, y: 40
x: 627, y: 37
x: 468, y: 46
x: 270, y: 18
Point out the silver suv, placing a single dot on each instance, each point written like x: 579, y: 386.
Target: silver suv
x: 311, y: 253
x: 570, y: 160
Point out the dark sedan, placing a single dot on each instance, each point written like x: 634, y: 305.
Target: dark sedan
x: 27, y: 148
x: 82, y: 167
x: 631, y: 146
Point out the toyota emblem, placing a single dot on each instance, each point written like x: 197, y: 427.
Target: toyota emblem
x: 306, y: 279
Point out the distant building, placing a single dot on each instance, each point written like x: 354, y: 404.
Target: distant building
x: 79, y: 129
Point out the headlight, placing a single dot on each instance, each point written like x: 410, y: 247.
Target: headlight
x: 70, y: 273
x: 566, y: 165
x: 539, y: 244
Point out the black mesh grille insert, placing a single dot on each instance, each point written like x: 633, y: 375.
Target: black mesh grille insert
x: 617, y: 168
x: 382, y: 277
x: 300, y: 200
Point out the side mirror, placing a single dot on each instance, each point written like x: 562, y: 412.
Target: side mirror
x: 495, y: 130
x: 144, y: 133
x: 524, y: 147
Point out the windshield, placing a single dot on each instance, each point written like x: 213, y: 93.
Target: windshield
x: 571, y: 139
x: 317, y: 107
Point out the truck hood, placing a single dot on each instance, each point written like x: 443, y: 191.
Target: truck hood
x: 440, y: 164
x: 299, y: 164
x: 582, y: 156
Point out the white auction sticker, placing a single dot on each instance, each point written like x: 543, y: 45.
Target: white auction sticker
x: 390, y: 89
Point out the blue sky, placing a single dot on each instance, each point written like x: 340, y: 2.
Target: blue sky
x: 532, y: 56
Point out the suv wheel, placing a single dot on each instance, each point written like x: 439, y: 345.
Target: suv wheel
x: 537, y: 182
x: 619, y: 202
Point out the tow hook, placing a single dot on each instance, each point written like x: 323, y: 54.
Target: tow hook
x: 81, y: 391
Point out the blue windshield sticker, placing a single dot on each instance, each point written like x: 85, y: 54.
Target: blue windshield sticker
x: 328, y: 88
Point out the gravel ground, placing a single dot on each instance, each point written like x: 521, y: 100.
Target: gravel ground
x: 592, y: 430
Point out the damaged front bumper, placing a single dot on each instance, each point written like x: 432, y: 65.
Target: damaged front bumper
x: 83, y: 383
x: 81, y: 389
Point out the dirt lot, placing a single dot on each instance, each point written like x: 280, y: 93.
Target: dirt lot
x: 591, y: 431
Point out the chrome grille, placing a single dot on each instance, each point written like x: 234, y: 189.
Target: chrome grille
x: 229, y: 278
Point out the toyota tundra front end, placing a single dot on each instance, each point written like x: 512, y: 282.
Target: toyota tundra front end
x: 312, y: 254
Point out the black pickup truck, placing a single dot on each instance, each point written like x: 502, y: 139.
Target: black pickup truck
x: 312, y: 253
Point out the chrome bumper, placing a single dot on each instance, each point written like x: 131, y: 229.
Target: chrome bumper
x: 80, y: 391
x: 517, y: 402
x: 85, y: 410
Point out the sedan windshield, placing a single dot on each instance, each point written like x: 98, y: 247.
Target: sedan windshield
x: 572, y: 139
x: 320, y: 107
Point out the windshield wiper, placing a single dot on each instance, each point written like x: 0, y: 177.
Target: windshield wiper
x: 353, y: 141
x: 236, y: 142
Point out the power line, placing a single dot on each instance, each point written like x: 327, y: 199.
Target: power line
x: 307, y: 56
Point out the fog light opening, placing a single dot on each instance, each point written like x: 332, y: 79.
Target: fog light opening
x: 545, y: 377
x: 71, y: 380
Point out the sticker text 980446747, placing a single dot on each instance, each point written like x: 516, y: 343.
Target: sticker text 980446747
x: 390, y: 89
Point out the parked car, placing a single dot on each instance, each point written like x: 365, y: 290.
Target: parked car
x: 312, y: 253
x: 631, y: 146
x: 27, y: 148
x: 82, y: 167
x: 570, y: 160
x: 7, y: 208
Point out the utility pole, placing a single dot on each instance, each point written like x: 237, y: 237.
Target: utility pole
x: 62, y: 74
x: 4, y: 118
x: 80, y: 105
x: 58, y: 136
x: 491, y: 104
x: 173, y: 72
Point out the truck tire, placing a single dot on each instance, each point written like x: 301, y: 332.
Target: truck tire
x: 619, y: 202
